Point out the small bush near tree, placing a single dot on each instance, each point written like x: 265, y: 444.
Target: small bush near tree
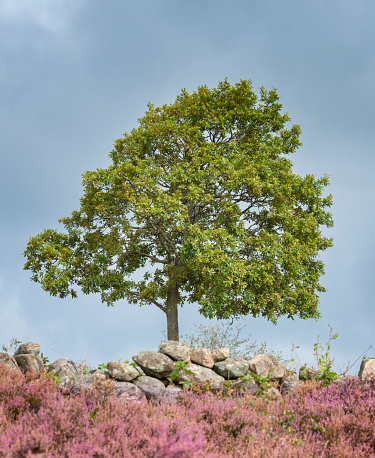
x: 224, y: 335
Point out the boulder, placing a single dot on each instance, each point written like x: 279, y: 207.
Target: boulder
x: 220, y: 354
x: 289, y: 384
x: 232, y: 368
x: 91, y: 380
x: 178, y: 351
x: 200, y: 375
x: 97, y: 375
x: 66, y: 370
x: 343, y: 378
x: 263, y: 364
x: 127, y: 391
x: 30, y: 361
x: 272, y: 394
x: 367, y: 369
x: 154, y: 364
x: 122, y: 371
x: 29, y: 348
x: 152, y: 387
x: 9, y: 361
x: 202, y: 357
x: 171, y: 393
x: 244, y: 386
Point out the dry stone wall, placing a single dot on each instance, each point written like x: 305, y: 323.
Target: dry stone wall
x: 152, y: 377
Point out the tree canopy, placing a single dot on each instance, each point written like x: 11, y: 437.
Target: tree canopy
x: 203, y: 195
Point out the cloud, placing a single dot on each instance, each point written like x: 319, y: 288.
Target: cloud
x: 52, y: 15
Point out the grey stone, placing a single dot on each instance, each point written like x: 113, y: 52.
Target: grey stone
x: 343, y: 378
x: 272, y: 394
x: 171, y: 393
x: 9, y: 361
x: 263, y: 364
x: 154, y: 364
x: 152, y: 387
x: 289, y: 384
x: 200, y: 375
x: 127, y: 391
x: 178, y: 351
x: 202, y: 357
x: 122, y: 371
x: 30, y: 362
x: 29, y: 348
x: 98, y: 374
x: 249, y: 387
x: 232, y: 368
x: 66, y: 370
x: 93, y: 380
x: 220, y: 354
x: 367, y: 369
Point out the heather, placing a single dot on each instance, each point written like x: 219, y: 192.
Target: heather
x: 37, y: 418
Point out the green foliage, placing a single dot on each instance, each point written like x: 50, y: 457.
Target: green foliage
x: 264, y: 382
x: 288, y: 421
x: 180, y: 367
x: 303, y: 372
x: 294, y: 355
x: 94, y: 413
x: 104, y: 365
x: 45, y: 360
x: 203, y: 193
x: 49, y: 375
x: 227, y: 384
x: 229, y: 387
x: 13, y: 343
x: 324, y: 361
x: 324, y: 371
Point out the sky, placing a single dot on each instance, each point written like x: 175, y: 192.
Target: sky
x: 75, y: 75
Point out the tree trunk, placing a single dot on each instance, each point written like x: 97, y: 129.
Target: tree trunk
x: 172, y: 313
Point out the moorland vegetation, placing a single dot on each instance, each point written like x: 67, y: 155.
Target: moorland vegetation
x: 322, y: 418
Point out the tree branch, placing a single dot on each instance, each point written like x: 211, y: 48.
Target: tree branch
x: 136, y: 294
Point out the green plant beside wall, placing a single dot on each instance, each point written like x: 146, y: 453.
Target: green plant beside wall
x: 180, y: 367
x: 324, y: 371
x: 104, y: 367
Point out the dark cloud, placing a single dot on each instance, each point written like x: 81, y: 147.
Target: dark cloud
x: 73, y: 79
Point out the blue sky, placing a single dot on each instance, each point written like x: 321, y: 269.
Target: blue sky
x: 76, y: 74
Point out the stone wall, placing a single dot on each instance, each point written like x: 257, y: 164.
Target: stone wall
x: 151, y: 376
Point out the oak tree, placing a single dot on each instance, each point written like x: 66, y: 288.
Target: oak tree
x: 202, y: 196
